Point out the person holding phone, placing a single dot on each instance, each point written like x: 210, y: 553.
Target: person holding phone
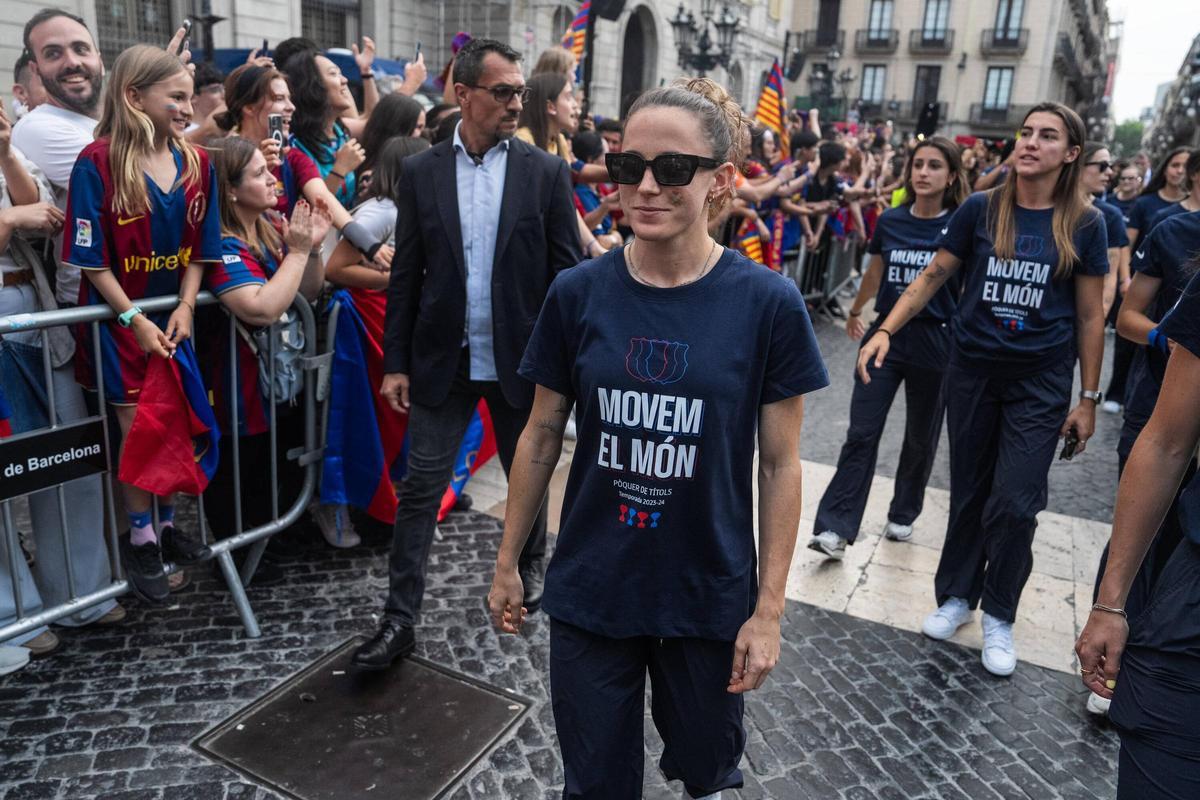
x: 659, y: 503
x: 904, y: 241
x: 1033, y: 255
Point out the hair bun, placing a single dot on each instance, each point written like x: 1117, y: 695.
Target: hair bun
x: 735, y: 119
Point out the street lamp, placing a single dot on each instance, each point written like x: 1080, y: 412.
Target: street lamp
x: 698, y: 50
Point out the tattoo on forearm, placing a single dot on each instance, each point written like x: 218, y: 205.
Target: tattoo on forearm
x: 543, y: 463
x: 553, y: 425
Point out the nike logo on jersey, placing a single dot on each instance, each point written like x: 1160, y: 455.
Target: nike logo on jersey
x: 1141, y: 254
x: 122, y: 221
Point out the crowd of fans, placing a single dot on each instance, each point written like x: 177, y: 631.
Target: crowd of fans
x: 162, y: 178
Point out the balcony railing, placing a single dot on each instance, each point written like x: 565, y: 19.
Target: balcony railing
x: 989, y: 115
x: 879, y: 40
x: 820, y: 41
x: 1066, y: 60
x: 1004, y: 41
x: 869, y: 109
x: 909, y: 111
x: 928, y: 41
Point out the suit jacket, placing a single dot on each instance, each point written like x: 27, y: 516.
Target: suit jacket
x: 538, y: 236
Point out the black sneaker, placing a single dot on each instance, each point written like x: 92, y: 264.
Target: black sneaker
x: 144, y: 570
x: 182, y: 546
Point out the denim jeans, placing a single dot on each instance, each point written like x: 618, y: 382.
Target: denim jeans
x: 22, y: 374
x: 435, y: 435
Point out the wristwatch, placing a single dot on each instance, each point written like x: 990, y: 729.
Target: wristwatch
x: 126, y: 319
x: 1095, y: 397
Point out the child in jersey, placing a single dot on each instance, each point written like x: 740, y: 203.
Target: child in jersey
x: 141, y: 222
x: 904, y: 241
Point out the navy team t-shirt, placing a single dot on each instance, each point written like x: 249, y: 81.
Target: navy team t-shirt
x: 907, y: 244
x: 1166, y: 213
x: 1114, y: 223
x: 656, y: 535
x: 1143, y: 212
x: 1166, y: 254
x: 1014, y: 318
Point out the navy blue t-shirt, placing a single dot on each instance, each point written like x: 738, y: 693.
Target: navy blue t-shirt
x: 1114, y: 224
x: 656, y: 536
x: 1169, y: 254
x: 1014, y: 318
x: 1167, y: 213
x: 1145, y: 208
x: 1124, y: 206
x: 906, y: 244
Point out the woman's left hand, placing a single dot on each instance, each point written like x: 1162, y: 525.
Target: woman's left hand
x: 321, y: 222
x: 755, y: 653
x: 365, y: 57
x: 1083, y: 419
x: 179, y: 326
x: 1099, y: 647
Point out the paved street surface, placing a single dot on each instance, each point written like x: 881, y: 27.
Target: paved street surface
x: 860, y: 706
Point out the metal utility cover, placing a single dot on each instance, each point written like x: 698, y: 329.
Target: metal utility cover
x: 331, y: 733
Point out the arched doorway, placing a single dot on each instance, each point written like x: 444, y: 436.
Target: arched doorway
x: 563, y: 17
x: 737, y: 84
x: 639, y: 55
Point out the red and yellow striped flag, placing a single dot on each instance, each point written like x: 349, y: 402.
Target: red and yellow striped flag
x: 772, y: 107
x: 576, y: 35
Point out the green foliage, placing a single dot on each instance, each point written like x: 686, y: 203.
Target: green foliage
x: 1128, y: 138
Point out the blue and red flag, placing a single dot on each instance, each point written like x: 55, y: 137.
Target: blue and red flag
x: 172, y: 445
x: 5, y: 415
x: 575, y: 38
x: 750, y: 243
x: 366, y: 446
x: 772, y: 106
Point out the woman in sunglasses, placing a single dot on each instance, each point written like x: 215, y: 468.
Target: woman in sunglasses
x: 1097, y: 169
x: 904, y: 241
x: 1033, y: 258
x: 674, y: 382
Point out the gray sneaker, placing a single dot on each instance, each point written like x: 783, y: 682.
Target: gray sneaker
x: 829, y: 543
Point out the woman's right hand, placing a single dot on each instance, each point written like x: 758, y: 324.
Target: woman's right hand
x: 854, y: 327
x: 272, y: 151
x: 348, y: 157
x: 298, y: 231
x: 383, y: 259
x: 1100, y: 646
x: 874, y: 351
x: 151, y: 338
x: 40, y: 217
x: 505, y: 598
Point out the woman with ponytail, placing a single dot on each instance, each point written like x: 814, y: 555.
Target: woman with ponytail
x: 143, y: 222
x: 1033, y: 258
x: 655, y: 569
x: 904, y: 241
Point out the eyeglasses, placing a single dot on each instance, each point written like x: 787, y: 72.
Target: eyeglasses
x: 504, y: 94
x: 1130, y: 178
x: 1104, y: 166
x: 670, y: 169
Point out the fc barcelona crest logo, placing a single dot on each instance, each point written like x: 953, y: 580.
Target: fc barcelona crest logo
x: 196, y: 210
x: 656, y: 360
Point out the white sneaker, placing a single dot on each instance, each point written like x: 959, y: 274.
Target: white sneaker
x: 999, y: 654
x: 12, y: 658
x: 829, y: 543
x: 1098, y: 705
x: 1110, y: 407
x: 336, y: 527
x: 897, y: 532
x: 952, y: 615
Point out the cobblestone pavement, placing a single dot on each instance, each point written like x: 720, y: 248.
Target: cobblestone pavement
x: 855, y: 709
x: 1085, y: 487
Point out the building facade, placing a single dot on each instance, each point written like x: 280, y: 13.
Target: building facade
x: 983, y: 63
x: 1176, y: 120
x: 634, y: 51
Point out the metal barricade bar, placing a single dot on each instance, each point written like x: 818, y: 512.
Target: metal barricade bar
x: 312, y: 364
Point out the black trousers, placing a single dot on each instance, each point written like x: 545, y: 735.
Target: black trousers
x: 597, y: 690
x: 435, y: 434
x: 1003, y: 435
x: 845, y: 499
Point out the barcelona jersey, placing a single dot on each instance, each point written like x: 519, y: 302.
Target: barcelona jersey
x: 296, y: 170
x: 147, y: 252
x: 240, y: 265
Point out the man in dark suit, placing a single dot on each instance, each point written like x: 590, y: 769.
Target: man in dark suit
x: 484, y: 223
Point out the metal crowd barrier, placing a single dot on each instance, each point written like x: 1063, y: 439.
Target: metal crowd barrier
x: 315, y: 368
x: 822, y: 273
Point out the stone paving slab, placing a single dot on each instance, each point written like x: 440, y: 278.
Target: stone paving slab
x: 855, y: 709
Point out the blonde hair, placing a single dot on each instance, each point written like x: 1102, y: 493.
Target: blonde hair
x: 131, y: 133
x: 1070, y: 207
x: 558, y: 60
x: 721, y: 120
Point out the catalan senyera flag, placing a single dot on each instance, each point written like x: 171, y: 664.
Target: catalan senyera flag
x: 749, y: 242
x: 772, y: 106
x: 576, y: 36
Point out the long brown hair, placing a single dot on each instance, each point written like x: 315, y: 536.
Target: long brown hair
x: 246, y: 86
x: 230, y: 157
x: 131, y: 133
x: 956, y: 191
x: 1070, y: 209
x: 543, y: 89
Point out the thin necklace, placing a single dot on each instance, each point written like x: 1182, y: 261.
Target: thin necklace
x: 641, y: 279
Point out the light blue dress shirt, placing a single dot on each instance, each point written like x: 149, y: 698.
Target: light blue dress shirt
x: 480, y: 193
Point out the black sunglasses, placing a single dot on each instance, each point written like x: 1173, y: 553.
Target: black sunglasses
x: 504, y: 94
x: 1104, y: 166
x: 670, y: 169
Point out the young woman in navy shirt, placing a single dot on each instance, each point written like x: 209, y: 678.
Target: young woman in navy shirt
x: 1094, y: 177
x: 904, y: 241
x: 1033, y: 255
x: 674, y: 384
x: 1148, y: 663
